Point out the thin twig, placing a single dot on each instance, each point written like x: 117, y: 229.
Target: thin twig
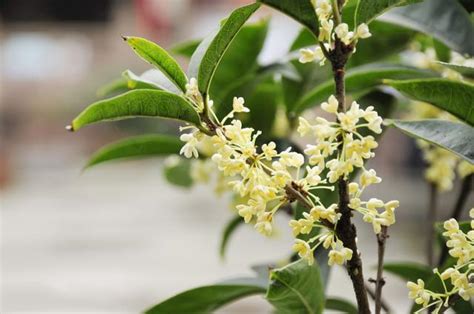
x: 431, y: 219
x: 384, y: 303
x: 457, y: 210
x: 380, y: 282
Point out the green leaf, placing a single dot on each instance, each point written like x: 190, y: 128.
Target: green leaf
x: 301, y: 10
x: 187, y: 48
x: 210, y: 51
x: 239, y: 59
x: 117, y: 86
x: 159, y: 58
x: 357, y: 80
x: 465, y: 70
x: 409, y: 271
x: 137, y: 103
x: 229, y: 229
x: 136, y: 147
x: 177, y: 171
x: 455, y: 97
x: 455, y: 137
x: 368, y: 10
x: 443, y: 53
x: 150, y: 79
x: 446, y: 20
x: 205, y: 299
x: 263, y: 102
x: 341, y: 306
x: 296, y: 288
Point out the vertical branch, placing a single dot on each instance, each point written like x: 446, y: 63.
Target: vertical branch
x: 345, y: 229
x: 431, y: 219
x: 457, y: 210
x: 380, y: 282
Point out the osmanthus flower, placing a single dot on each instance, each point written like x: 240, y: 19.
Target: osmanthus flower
x: 460, y: 275
x: 354, y: 150
x: 329, y: 31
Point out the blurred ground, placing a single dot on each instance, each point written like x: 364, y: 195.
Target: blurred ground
x: 118, y: 239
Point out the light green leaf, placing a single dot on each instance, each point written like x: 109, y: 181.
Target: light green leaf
x: 443, y: 53
x: 446, y: 20
x: 357, y: 80
x: 186, y: 48
x: 455, y: 97
x: 136, y: 147
x: 206, y: 299
x: 297, y: 288
x: 409, y: 271
x: 137, y: 103
x: 465, y: 70
x: 302, y: 11
x: 341, y: 306
x: 117, y: 86
x: 455, y: 137
x: 159, y: 58
x: 210, y: 51
x: 367, y: 10
x: 229, y: 229
x: 150, y: 79
x: 178, y: 171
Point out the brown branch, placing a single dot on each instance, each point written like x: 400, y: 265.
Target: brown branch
x: 345, y: 229
x: 431, y: 219
x: 380, y: 282
x: 457, y: 210
x: 371, y: 293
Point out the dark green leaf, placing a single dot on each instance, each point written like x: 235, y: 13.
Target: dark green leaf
x: 205, y: 299
x: 357, y: 80
x: 137, y: 103
x: 239, y: 59
x: 443, y: 53
x: 210, y: 51
x: 455, y: 137
x: 301, y: 10
x: 136, y: 147
x: 374, y: 49
x: 341, y: 306
x: 465, y: 70
x: 409, y: 271
x: 263, y: 102
x: 367, y: 10
x: 187, y: 48
x: 455, y: 97
x: 159, y: 58
x: 229, y: 229
x: 178, y: 172
x: 446, y: 20
x: 296, y: 288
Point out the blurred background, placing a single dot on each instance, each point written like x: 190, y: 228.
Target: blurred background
x: 118, y: 238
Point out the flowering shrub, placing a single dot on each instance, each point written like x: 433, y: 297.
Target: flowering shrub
x: 238, y: 131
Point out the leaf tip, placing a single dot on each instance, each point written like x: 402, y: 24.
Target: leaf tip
x: 125, y: 38
x: 69, y: 128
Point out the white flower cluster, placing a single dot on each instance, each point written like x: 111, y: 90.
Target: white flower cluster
x: 266, y: 179
x: 328, y: 32
x: 258, y: 175
x: 460, y: 276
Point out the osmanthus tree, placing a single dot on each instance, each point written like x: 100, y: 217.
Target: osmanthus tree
x: 239, y: 120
